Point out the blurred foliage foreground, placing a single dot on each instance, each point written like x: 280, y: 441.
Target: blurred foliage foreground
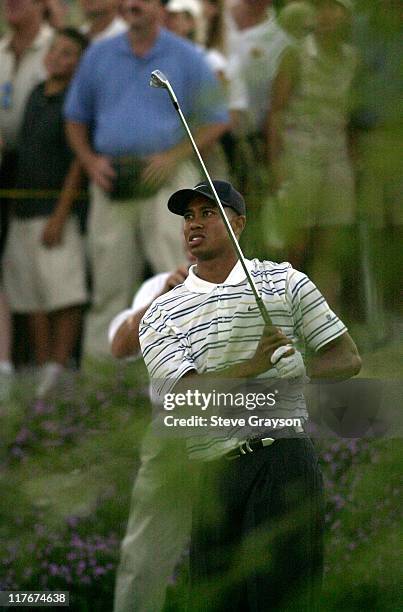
x: 66, y: 479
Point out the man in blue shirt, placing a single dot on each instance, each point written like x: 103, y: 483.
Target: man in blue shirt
x: 112, y: 113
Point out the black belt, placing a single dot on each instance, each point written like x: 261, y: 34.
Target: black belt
x: 254, y: 444
x: 249, y: 446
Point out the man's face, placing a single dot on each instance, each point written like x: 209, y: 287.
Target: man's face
x: 141, y: 14
x: 18, y: 12
x: 98, y: 8
x: 205, y: 234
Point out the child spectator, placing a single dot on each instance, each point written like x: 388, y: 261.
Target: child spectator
x: 44, y: 273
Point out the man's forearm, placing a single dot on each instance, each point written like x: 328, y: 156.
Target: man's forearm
x: 78, y: 137
x: 126, y: 340
x: 204, y: 136
x: 337, y: 361
x: 70, y: 190
x: 208, y: 135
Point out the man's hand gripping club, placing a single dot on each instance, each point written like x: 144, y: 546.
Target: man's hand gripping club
x: 274, y: 346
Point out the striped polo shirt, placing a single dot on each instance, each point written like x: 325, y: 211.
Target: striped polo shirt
x: 206, y: 327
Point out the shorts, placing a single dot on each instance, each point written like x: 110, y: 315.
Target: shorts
x: 40, y: 279
x: 319, y: 190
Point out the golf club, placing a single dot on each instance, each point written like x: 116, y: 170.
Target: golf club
x: 158, y: 79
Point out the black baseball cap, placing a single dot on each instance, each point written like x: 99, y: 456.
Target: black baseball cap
x: 229, y: 196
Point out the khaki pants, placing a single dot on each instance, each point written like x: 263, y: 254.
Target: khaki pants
x: 122, y: 236
x: 159, y: 525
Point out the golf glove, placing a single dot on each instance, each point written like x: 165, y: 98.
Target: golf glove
x: 288, y: 367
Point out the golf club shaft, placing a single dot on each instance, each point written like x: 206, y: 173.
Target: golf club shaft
x: 259, y: 301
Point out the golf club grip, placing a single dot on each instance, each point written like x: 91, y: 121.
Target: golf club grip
x: 263, y: 311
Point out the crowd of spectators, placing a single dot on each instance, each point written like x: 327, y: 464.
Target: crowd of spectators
x: 294, y: 102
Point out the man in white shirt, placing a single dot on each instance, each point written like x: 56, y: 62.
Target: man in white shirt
x: 22, y: 51
x: 159, y: 521
x: 255, y: 55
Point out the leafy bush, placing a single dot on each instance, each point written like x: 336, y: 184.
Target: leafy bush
x: 67, y: 475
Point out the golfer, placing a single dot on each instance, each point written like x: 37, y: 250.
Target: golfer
x: 257, y: 518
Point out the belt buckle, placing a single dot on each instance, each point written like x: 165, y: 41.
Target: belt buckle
x: 267, y: 441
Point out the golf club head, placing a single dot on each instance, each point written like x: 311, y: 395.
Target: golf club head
x: 158, y: 79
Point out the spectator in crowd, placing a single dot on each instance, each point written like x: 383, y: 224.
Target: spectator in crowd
x: 255, y: 58
x: 308, y: 149
x: 215, y: 43
x: 202, y: 23
x: 103, y: 19
x: 207, y: 18
x: 138, y: 153
x: 183, y: 18
x: 159, y: 520
x: 44, y: 270
x: 22, y: 50
x: 377, y: 135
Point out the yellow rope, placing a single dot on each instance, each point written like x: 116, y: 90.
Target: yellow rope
x: 29, y: 194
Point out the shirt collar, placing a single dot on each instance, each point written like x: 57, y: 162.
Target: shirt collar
x: 198, y: 285
x: 39, y: 41
x: 117, y: 26
x: 44, y: 35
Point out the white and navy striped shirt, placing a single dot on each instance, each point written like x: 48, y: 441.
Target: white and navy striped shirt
x: 205, y: 327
